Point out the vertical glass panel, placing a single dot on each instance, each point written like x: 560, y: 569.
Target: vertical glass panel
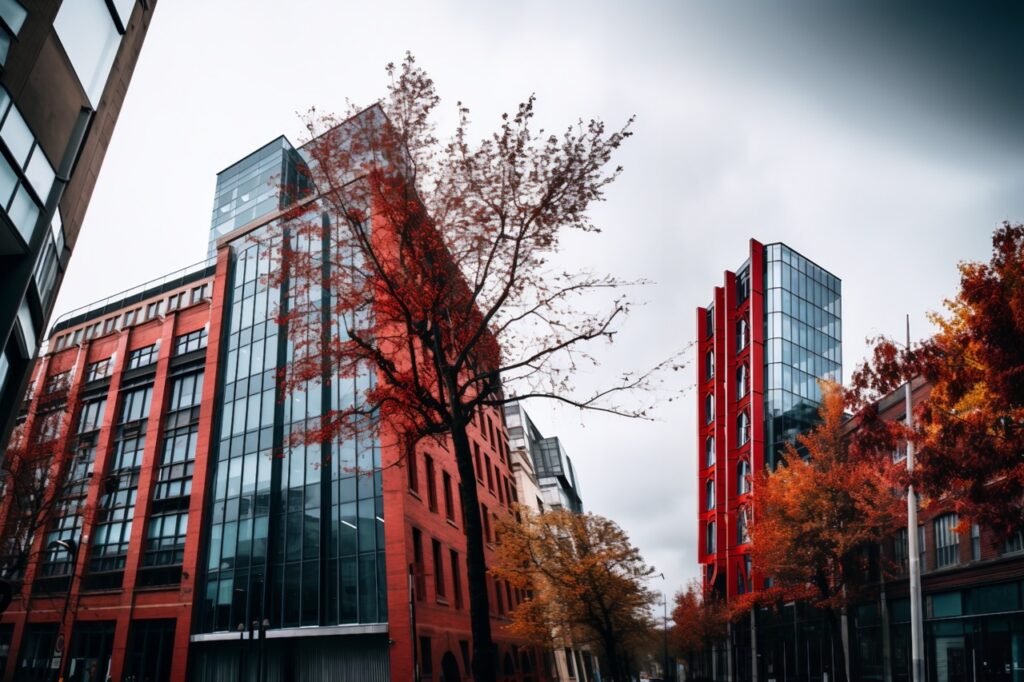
x: 13, y: 14
x: 8, y: 181
x: 90, y: 38
x: 17, y: 136
x: 40, y: 174
x: 124, y: 10
x: 24, y: 213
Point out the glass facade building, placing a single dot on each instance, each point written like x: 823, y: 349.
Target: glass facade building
x: 802, y: 343
x: 297, y: 532
x: 771, y: 332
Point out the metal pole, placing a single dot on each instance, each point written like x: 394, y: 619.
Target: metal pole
x: 71, y: 547
x: 664, y: 631
x: 916, y: 631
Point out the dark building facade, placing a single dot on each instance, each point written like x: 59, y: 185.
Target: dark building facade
x: 65, y: 70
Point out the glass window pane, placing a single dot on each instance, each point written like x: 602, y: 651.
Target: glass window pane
x: 87, y: 32
x: 17, y: 136
x: 124, y: 10
x: 13, y: 14
x: 40, y: 174
x: 24, y: 213
x: 8, y: 181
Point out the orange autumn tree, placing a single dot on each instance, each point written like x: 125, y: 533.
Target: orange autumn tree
x: 426, y: 270
x: 700, y: 619
x: 586, y: 584
x: 820, y: 515
x: 969, y: 434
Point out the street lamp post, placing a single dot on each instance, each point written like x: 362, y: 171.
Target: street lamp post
x: 664, y: 628
x: 71, y: 547
x: 916, y: 631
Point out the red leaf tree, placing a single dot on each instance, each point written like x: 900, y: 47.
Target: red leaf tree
x: 821, y: 514
x: 37, y: 474
x: 969, y: 434
x: 433, y: 262
x: 700, y: 620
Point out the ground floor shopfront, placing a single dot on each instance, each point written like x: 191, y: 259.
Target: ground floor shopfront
x: 973, y: 632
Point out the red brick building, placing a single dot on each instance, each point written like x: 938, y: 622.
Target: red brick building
x: 131, y: 435
x: 207, y: 546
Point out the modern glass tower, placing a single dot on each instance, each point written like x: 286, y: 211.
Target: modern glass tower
x: 770, y: 333
x: 349, y: 554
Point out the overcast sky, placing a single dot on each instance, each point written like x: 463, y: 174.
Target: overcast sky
x: 883, y: 142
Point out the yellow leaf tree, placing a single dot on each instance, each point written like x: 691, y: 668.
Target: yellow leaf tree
x: 585, y: 582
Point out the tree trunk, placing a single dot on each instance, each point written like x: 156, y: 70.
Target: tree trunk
x: 484, y: 658
x: 835, y: 635
x: 615, y: 666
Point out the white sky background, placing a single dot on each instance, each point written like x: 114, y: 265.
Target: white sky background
x: 886, y: 147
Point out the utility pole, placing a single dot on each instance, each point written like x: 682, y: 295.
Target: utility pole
x: 916, y: 632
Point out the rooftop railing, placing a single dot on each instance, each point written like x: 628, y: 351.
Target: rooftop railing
x: 125, y: 297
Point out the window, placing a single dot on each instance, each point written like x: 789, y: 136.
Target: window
x: 742, y: 530
x: 151, y: 311
x: 449, y: 503
x: 709, y: 364
x: 109, y: 325
x: 479, y: 462
x: 709, y: 451
x: 58, y: 382
x: 199, y: 293
x: 743, y: 286
x: 180, y: 436
x: 417, y: 561
x: 431, y: 487
x: 742, y: 381
x: 142, y: 357
x: 456, y: 578
x: 743, y: 477
x: 426, y: 658
x: 922, y: 554
x: 485, y: 517
x: 193, y: 341
x: 975, y: 542
x: 90, y: 38
x: 709, y: 319
x: 97, y: 370
x: 165, y: 539
x: 741, y: 585
x: 173, y: 302
x: 709, y: 493
x: 741, y: 334
x: 947, y: 541
x: 113, y: 528
x: 439, y: 587
x: 709, y: 538
x: 411, y: 474
x: 1015, y: 543
x: 742, y: 428
x: 899, y: 551
x: 709, y: 408
x: 490, y: 473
